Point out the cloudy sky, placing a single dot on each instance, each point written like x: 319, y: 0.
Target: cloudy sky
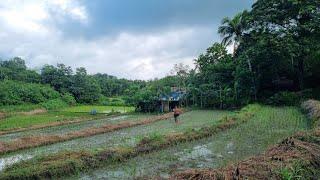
x: 135, y: 39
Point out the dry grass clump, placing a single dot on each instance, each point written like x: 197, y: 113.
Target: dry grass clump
x: 35, y: 141
x: 268, y: 165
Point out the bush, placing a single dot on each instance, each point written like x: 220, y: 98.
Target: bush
x: 69, y: 99
x: 284, y: 98
x: 113, y: 102
x: 55, y: 104
x: 16, y: 93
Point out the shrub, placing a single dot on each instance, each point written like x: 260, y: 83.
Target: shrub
x: 16, y: 93
x: 55, y: 104
x: 69, y: 99
x: 113, y: 102
x: 284, y: 98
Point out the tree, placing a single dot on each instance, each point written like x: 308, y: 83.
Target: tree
x: 296, y: 21
x: 85, y: 88
x: 216, y: 71
x: 59, y: 77
x: 232, y: 30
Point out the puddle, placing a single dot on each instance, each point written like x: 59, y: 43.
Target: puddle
x: 7, y: 161
x: 118, y: 118
x: 200, y: 151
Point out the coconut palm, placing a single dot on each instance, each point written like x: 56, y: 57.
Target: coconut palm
x: 232, y: 30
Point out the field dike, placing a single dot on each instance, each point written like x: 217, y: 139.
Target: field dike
x: 71, y: 163
x: 36, y: 141
x: 296, y: 157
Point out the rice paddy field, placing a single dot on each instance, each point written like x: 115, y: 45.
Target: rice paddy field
x: 266, y: 127
x: 99, y: 109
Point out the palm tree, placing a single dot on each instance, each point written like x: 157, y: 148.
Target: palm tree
x: 232, y: 29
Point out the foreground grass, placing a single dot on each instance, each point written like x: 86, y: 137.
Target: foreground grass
x: 26, y: 121
x: 62, y: 164
x: 99, y: 109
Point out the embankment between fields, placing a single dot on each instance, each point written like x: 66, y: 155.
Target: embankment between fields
x: 70, y: 163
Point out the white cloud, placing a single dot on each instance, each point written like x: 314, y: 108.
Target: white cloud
x: 69, y: 7
x: 35, y: 16
x: 34, y: 36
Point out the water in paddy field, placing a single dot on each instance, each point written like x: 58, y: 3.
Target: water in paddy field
x: 122, y: 137
x: 81, y: 143
x: 59, y: 130
x: 226, y: 147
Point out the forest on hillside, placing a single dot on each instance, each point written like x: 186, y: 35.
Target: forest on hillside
x: 275, y: 60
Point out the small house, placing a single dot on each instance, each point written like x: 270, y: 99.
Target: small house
x: 169, y: 101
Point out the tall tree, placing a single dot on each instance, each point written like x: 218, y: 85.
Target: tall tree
x: 232, y: 30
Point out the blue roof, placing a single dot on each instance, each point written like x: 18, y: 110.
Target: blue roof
x: 173, y: 96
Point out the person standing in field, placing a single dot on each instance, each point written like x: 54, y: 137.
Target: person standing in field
x: 176, y: 114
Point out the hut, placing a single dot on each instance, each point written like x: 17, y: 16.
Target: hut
x: 169, y: 101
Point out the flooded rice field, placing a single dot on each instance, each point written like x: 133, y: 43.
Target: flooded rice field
x: 251, y: 138
x: 64, y: 129
x: 123, y: 137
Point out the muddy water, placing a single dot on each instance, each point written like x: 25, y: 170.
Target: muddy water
x: 230, y: 146
x: 123, y: 137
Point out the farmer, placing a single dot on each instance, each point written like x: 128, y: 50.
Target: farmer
x: 176, y: 113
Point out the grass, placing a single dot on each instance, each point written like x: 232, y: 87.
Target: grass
x: 19, y: 108
x: 99, y: 109
x: 24, y: 121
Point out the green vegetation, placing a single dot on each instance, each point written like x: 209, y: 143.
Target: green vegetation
x: 25, y: 121
x: 16, y: 93
x: 19, y: 108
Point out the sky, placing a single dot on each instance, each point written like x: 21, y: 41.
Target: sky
x: 133, y: 39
